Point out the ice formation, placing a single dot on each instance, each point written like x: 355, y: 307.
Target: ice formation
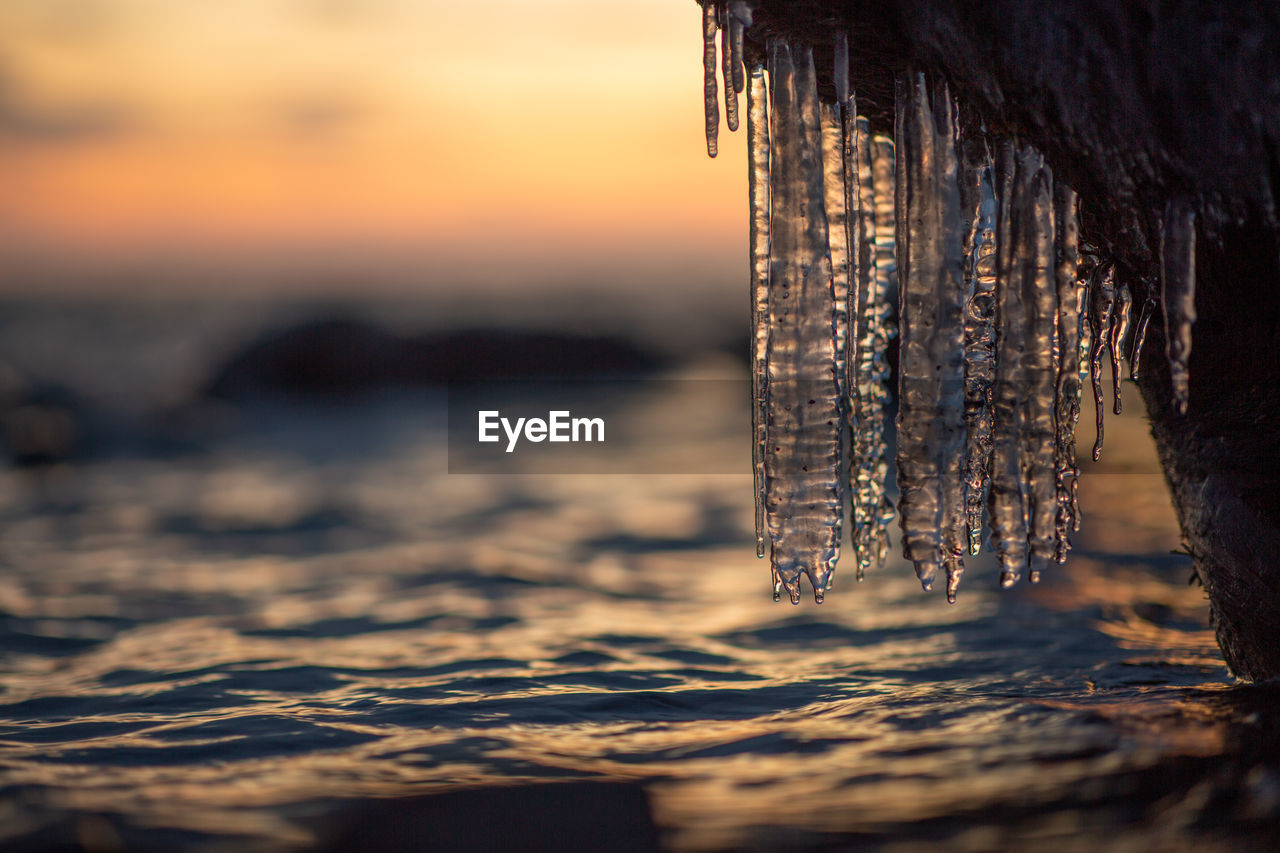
x: 803, y: 494
x: 931, y: 334
x: 967, y: 253
x: 1102, y: 290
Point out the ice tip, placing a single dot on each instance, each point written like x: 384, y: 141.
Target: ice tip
x: 953, y: 585
x: 926, y: 571
x: 1008, y: 578
x: 791, y: 587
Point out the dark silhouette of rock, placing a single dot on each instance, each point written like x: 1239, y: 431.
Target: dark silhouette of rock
x: 39, y: 424
x: 45, y: 423
x: 1136, y: 104
x: 342, y: 357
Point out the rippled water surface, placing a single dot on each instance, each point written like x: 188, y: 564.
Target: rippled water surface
x: 237, y: 643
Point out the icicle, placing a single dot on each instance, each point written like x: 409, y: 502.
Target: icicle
x: 1178, y: 280
x: 850, y: 181
x: 1084, y: 291
x: 920, y: 504
x: 840, y: 68
x: 876, y: 299
x: 868, y: 394
x: 997, y: 330
x: 931, y: 360
x: 803, y: 493
x: 729, y: 61
x: 1119, y: 331
x: 1067, y: 404
x: 1102, y: 291
x: 1040, y: 362
x: 835, y: 202
x: 948, y: 343
x: 739, y: 19
x: 1006, y: 501
x: 979, y: 331
x: 856, y: 221
x: 1088, y: 266
x: 1140, y: 338
x: 710, y: 93
x: 758, y: 188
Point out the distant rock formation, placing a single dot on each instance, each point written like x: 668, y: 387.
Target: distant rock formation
x: 334, y: 358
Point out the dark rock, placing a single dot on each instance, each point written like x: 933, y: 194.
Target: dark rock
x: 39, y: 424
x: 342, y: 357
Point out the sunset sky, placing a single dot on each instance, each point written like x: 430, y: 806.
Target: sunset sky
x: 523, y: 139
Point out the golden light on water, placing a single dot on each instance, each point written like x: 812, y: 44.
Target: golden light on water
x: 489, y: 630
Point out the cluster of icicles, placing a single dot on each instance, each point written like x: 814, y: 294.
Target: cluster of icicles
x: 970, y: 258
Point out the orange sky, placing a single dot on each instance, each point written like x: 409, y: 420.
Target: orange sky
x: 539, y: 136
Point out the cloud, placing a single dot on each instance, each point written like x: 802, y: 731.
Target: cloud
x: 22, y: 121
x: 341, y: 11
x: 72, y: 21
x: 319, y: 116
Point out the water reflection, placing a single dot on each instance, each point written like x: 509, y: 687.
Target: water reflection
x: 224, y: 649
